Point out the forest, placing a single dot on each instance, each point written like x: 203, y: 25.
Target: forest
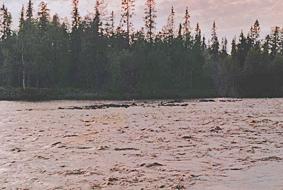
x: 97, y: 55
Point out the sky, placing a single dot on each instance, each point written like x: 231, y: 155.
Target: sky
x: 231, y: 16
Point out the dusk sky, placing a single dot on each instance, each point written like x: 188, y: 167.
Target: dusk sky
x: 231, y: 16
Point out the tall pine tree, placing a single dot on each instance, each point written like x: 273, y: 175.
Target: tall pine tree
x: 75, y: 45
x: 187, y: 23
x: 44, y: 16
x: 275, y: 41
x: 6, y: 23
x: 128, y: 7
x: 214, y: 41
x: 150, y: 16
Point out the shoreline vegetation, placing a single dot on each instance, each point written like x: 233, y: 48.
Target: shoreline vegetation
x: 33, y: 94
x: 93, y: 57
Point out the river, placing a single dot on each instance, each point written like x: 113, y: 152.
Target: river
x: 223, y: 144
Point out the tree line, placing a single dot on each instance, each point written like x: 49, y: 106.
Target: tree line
x: 95, y: 53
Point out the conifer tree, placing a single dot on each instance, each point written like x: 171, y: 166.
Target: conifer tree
x: 197, y: 39
x: 281, y: 41
x: 224, y: 44
x: 214, y: 41
x: 254, y: 34
x: 112, y: 23
x: 75, y: 15
x: 22, y: 18
x: 21, y: 48
x: 29, y: 13
x: 242, y: 49
x: 168, y: 30
x: 97, y: 23
x: 266, y: 46
x: 44, y: 16
x: 187, y: 23
x: 28, y: 46
x: 275, y: 41
x: 150, y: 16
x: 180, y: 35
x: 186, y: 29
x: 6, y: 23
x: 203, y: 44
x: 233, y: 48
x: 128, y: 7
x: 44, y: 53
x: 75, y: 44
x: 56, y: 20
x: 171, y: 23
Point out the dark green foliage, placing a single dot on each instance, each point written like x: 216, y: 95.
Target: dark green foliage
x: 214, y: 42
x: 29, y: 13
x: 94, y: 56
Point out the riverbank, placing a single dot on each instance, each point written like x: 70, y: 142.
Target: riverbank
x: 44, y: 94
x: 33, y: 94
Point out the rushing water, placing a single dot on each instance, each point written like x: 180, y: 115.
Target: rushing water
x: 222, y: 144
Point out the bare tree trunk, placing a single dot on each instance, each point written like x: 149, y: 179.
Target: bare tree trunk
x: 24, y: 69
x: 192, y: 83
x: 128, y: 23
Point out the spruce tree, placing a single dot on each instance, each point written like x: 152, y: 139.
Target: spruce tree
x: 112, y: 23
x: 75, y: 45
x: 75, y: 15
x: 169, y: 29
x: 203, y: 44
x: 214, y: 41
x: 186, y: 23
x: 186, y: 29
x: 197, y: 40
x: 180, y: 35
x: 255, y: 34
x: 281, y: 41
x: 150, y: 16
x: 21, y: 48
x: 224, y: 44
x: 29, y: 13
x: 46, y: 54
x: 242, y: 49
x: 6, y: 23
x: 44, y: 16
x: 171, y: 23
x: 56, y: 20
x: 128, y: 7
x: 233, y: 48
x: 22, y: 18
x: 97, y: 23
x: 275, y: 41
x: 266, y: 46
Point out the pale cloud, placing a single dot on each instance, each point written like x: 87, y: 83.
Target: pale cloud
x: 231, y: 16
